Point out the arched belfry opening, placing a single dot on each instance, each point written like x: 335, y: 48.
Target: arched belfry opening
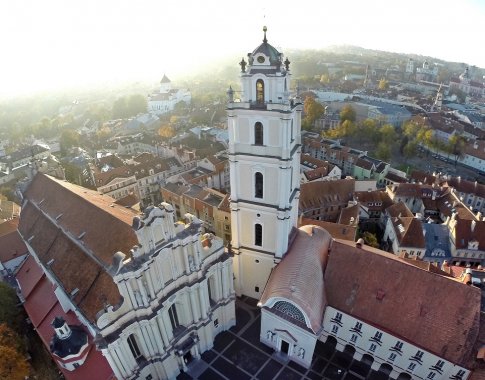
x: 260, y: 91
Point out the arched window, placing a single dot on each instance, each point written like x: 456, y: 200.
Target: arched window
x: 174, y: 319
x: 258, y: 185
x: 290, y: 310
x: 135, y: 350
x: 258, y: 234
x: 260, y: 91
x: 258, y: 133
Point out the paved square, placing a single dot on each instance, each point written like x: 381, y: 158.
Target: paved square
x: 238, y: 354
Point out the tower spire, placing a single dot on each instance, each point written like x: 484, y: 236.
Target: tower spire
x: 264, y: 30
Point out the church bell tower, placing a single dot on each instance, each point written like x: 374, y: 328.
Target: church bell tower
x: 264, y: 127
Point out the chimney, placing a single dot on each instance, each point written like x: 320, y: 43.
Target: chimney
x: 467, y: 278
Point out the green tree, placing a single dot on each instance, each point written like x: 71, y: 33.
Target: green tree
x: 383, y: 84
x: 347, y: 113
x: 69, y: 138
x: 120, y: 108
x: 9, y: 311
x: 136, y: 104
x: 410, y: 149
x: 166, y: 132
x: 383, y: 151
x: 388, y: 134
x: 313, y: 110
x: 13, y: 365
x: 370, y: 239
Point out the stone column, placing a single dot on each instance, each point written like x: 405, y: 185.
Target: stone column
x: 186, y: 259
x: 119, y: 372
x: 203, y: 305
x: 217, y: 278
x: 127, y: 356
x: 168, y: 324
x: 162, y: 329
x: 225, y: 285
x: 143, y: 291
x: 146, y: 339
x: 134, y: 303
x: 151, y: 287
x: 193, y: 305
x: 157, y: 338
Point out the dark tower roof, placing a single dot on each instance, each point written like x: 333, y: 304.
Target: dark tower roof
x: 165, y: 79
x: 268, y: 50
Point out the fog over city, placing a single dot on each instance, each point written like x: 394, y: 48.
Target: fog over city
x: 53, y: 44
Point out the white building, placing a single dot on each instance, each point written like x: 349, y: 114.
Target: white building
x: 167, y: 97
x: 151, y: 292
x: 264, y: 158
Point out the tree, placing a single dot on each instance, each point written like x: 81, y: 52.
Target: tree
x: 12, y: 364
x: 166, y: 132
x: 120, y: 108
x: 383, y: 151
x: 383, y: 84
x: 388, y: 134
x: 9, y: 312
x: 136, y: 104
x: 313, y: 110
x: 410, y: 149
x: 370, y: 239
x: 10, y: 338
x: 347, y: 113
x: 69, y: 138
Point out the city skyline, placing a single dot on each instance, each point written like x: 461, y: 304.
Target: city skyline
x: 56, y: 44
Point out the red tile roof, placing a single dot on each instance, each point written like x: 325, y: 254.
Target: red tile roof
x: 435, y: 312
x: 289, y: 279
x: 11, y: 243
x: 75, y: 232
x: 42, y: 307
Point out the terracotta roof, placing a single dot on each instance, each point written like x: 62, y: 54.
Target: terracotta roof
x: 422, y: 177
x: 410, y: 234
x: 128, y: 201
x: 338, y: 231
x: 77, y: 231
x: 313, y: 194
x: 8, y: 210
x: 349, y: 215
x: 42, y: 307
x: 225, y: 205
x: 467, y: 187
x: 399, y: 210
x: 449, y: 204
x: 469, y: 230
x: 395, y: 296
x: 290, y: 278
x: 11, y: 243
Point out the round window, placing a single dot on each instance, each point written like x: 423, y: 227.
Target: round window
x: 261, y: 59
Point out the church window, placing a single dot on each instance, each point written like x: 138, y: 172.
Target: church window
x: 174, y: 320
x: 372, y: 347
x: 258, y: 185
x: 260, y: 91
x: 411, y: 366
x: 290, y: 310
x: 134, y: 346
x: 258, y: 234
x: 258, y: 133
x: 256, y: 289
x: 334, y: 329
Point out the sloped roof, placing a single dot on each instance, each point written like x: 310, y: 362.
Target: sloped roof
x: 12, y: 245
x: 313, y: 194
x: 77, y: 231
x: 299, y: 276
x: 381, y: 289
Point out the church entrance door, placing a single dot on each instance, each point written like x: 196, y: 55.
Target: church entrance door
x: 188, y: 358
x: 285, y: 346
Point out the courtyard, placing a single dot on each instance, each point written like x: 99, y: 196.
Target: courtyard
x: 238, y: 354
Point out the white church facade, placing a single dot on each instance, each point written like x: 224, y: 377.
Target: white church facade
x: 165, y: 100
x: 151, y: 292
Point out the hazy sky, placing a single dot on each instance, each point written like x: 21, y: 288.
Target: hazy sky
x: 48, y: 43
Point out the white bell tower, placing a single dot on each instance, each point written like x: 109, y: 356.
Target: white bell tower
x: 264, y: 153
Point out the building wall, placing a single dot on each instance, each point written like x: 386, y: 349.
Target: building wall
x: 403, y: 356
x: 275, y: 330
